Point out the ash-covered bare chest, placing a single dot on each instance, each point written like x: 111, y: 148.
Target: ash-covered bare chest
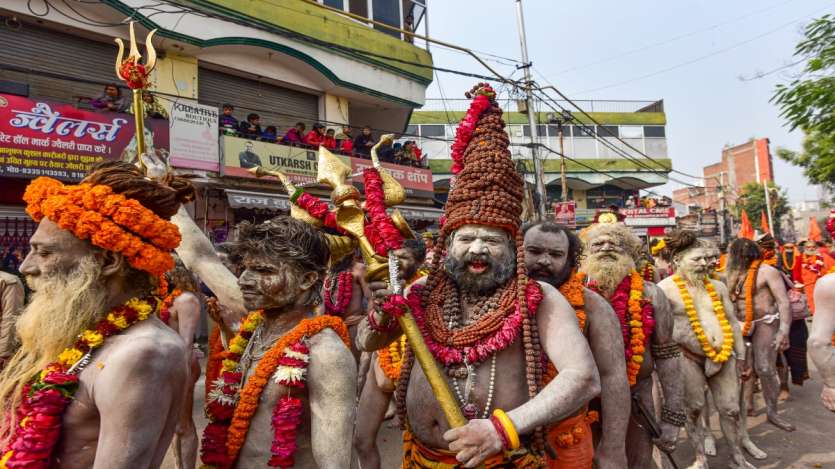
x: 261, y: 434
x: 492, y: 384
x: 683, y: 330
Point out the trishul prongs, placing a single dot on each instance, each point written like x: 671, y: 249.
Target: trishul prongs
x: 128, y: 68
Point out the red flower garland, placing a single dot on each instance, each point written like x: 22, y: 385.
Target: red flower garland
x: 165, y: 307
x: 389, y: 236
x: 486, y: 347
x: 317, y: 209
x: 620, y: 300
x: 344, y: 294
x: 815, y: 266
x: 45, y: 399
x: 464, y: 132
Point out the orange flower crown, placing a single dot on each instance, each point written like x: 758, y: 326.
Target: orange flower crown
x: 110, y: 221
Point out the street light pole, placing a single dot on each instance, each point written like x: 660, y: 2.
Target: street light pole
x: 539, y: 174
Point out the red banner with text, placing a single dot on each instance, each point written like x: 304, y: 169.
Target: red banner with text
x: 41, y: 138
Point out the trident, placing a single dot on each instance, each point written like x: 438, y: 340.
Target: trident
x: 135, y: 75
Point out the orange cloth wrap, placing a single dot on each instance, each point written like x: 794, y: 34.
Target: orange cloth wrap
x: 417, y: 456
x: 572, y: 440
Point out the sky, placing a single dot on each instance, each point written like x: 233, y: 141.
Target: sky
x: 704, y: 58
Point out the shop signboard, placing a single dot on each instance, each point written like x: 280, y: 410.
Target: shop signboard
x: 300, y: 164
x: 194, y: 136
x: 566, y: 213
x: 42, y: 138
x: 649, y: 217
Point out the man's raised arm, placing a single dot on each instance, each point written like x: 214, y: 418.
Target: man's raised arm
x: 200, y: 257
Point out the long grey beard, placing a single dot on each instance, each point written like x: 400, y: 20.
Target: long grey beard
x: 607, y: 272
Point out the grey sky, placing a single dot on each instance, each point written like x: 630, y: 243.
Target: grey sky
x: 583, y: 46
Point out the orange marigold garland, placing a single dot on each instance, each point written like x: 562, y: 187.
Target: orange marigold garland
x: 231, y: 406
x: 390, y: 358
x: 165, y: 307
x: 572, y: 290
x: 110, y: 221
x: 750, y: 280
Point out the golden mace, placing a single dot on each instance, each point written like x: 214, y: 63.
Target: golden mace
x: 350, y: 217
x: 135, y: 75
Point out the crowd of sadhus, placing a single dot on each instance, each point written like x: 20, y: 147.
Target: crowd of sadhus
x: 531, y: 345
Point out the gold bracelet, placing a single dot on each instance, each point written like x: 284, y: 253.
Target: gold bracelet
x: 509, y: 429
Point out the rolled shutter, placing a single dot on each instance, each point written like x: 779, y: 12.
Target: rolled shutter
x: 278, y: 106
x: 73, y: 57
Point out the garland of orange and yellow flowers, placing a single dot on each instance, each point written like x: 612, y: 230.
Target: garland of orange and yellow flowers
x: 390, y: 358
x: 638, y: 326
x: 47, y: 396
x: 750, y: 278
x: 725, y: 350
x: 230, y: 406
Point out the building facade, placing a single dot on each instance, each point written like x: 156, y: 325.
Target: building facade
x: 740, y: 165
x: 598, y: 173
x: 288, y: 61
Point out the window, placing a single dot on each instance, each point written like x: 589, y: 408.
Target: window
x: 656, y: 131
x: 554, y: 131
x: 540, y: 130
x: 411, y: 130
x: 387, y: 12
x: 434, y: 130
x: 340, y: 4
x: 585, y: 131
x: 607, y: 131
x: 631, y: 131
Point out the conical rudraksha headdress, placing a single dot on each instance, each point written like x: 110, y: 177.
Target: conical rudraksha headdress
x: 487, y: 189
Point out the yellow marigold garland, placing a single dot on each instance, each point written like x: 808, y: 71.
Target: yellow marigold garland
x: 724, y: 352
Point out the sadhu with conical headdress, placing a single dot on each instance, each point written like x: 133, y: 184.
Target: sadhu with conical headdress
x: 486, y: 324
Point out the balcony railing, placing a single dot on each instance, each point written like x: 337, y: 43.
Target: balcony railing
x: 588, y: 105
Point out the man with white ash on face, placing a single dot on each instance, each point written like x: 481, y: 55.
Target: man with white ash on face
x: 487, y: 325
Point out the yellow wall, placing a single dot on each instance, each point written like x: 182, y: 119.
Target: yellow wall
x: 176, y: 75
x: 336, y: 110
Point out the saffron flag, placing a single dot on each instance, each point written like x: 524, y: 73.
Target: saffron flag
x: 814, y: 230
x: 745, y: 229
x: 764, y: 222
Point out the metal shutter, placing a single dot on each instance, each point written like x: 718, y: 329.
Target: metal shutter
x: 74, y: 57
x: 277, y: 106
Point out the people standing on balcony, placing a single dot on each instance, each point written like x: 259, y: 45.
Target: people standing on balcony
x: 295, y: 135
x: 153, y: 109
x: 228, y: 123
x: 409, y: 25
x: 329, y: 141
x: 364, y: 142
x: 346, y: 143
x: 111, y: 99
x: 252, y: 127
x: 270, y: 134
x: 316, y: 136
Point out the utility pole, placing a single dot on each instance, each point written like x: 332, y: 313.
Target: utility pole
x: 563, y: 176
x: 539, y: 175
